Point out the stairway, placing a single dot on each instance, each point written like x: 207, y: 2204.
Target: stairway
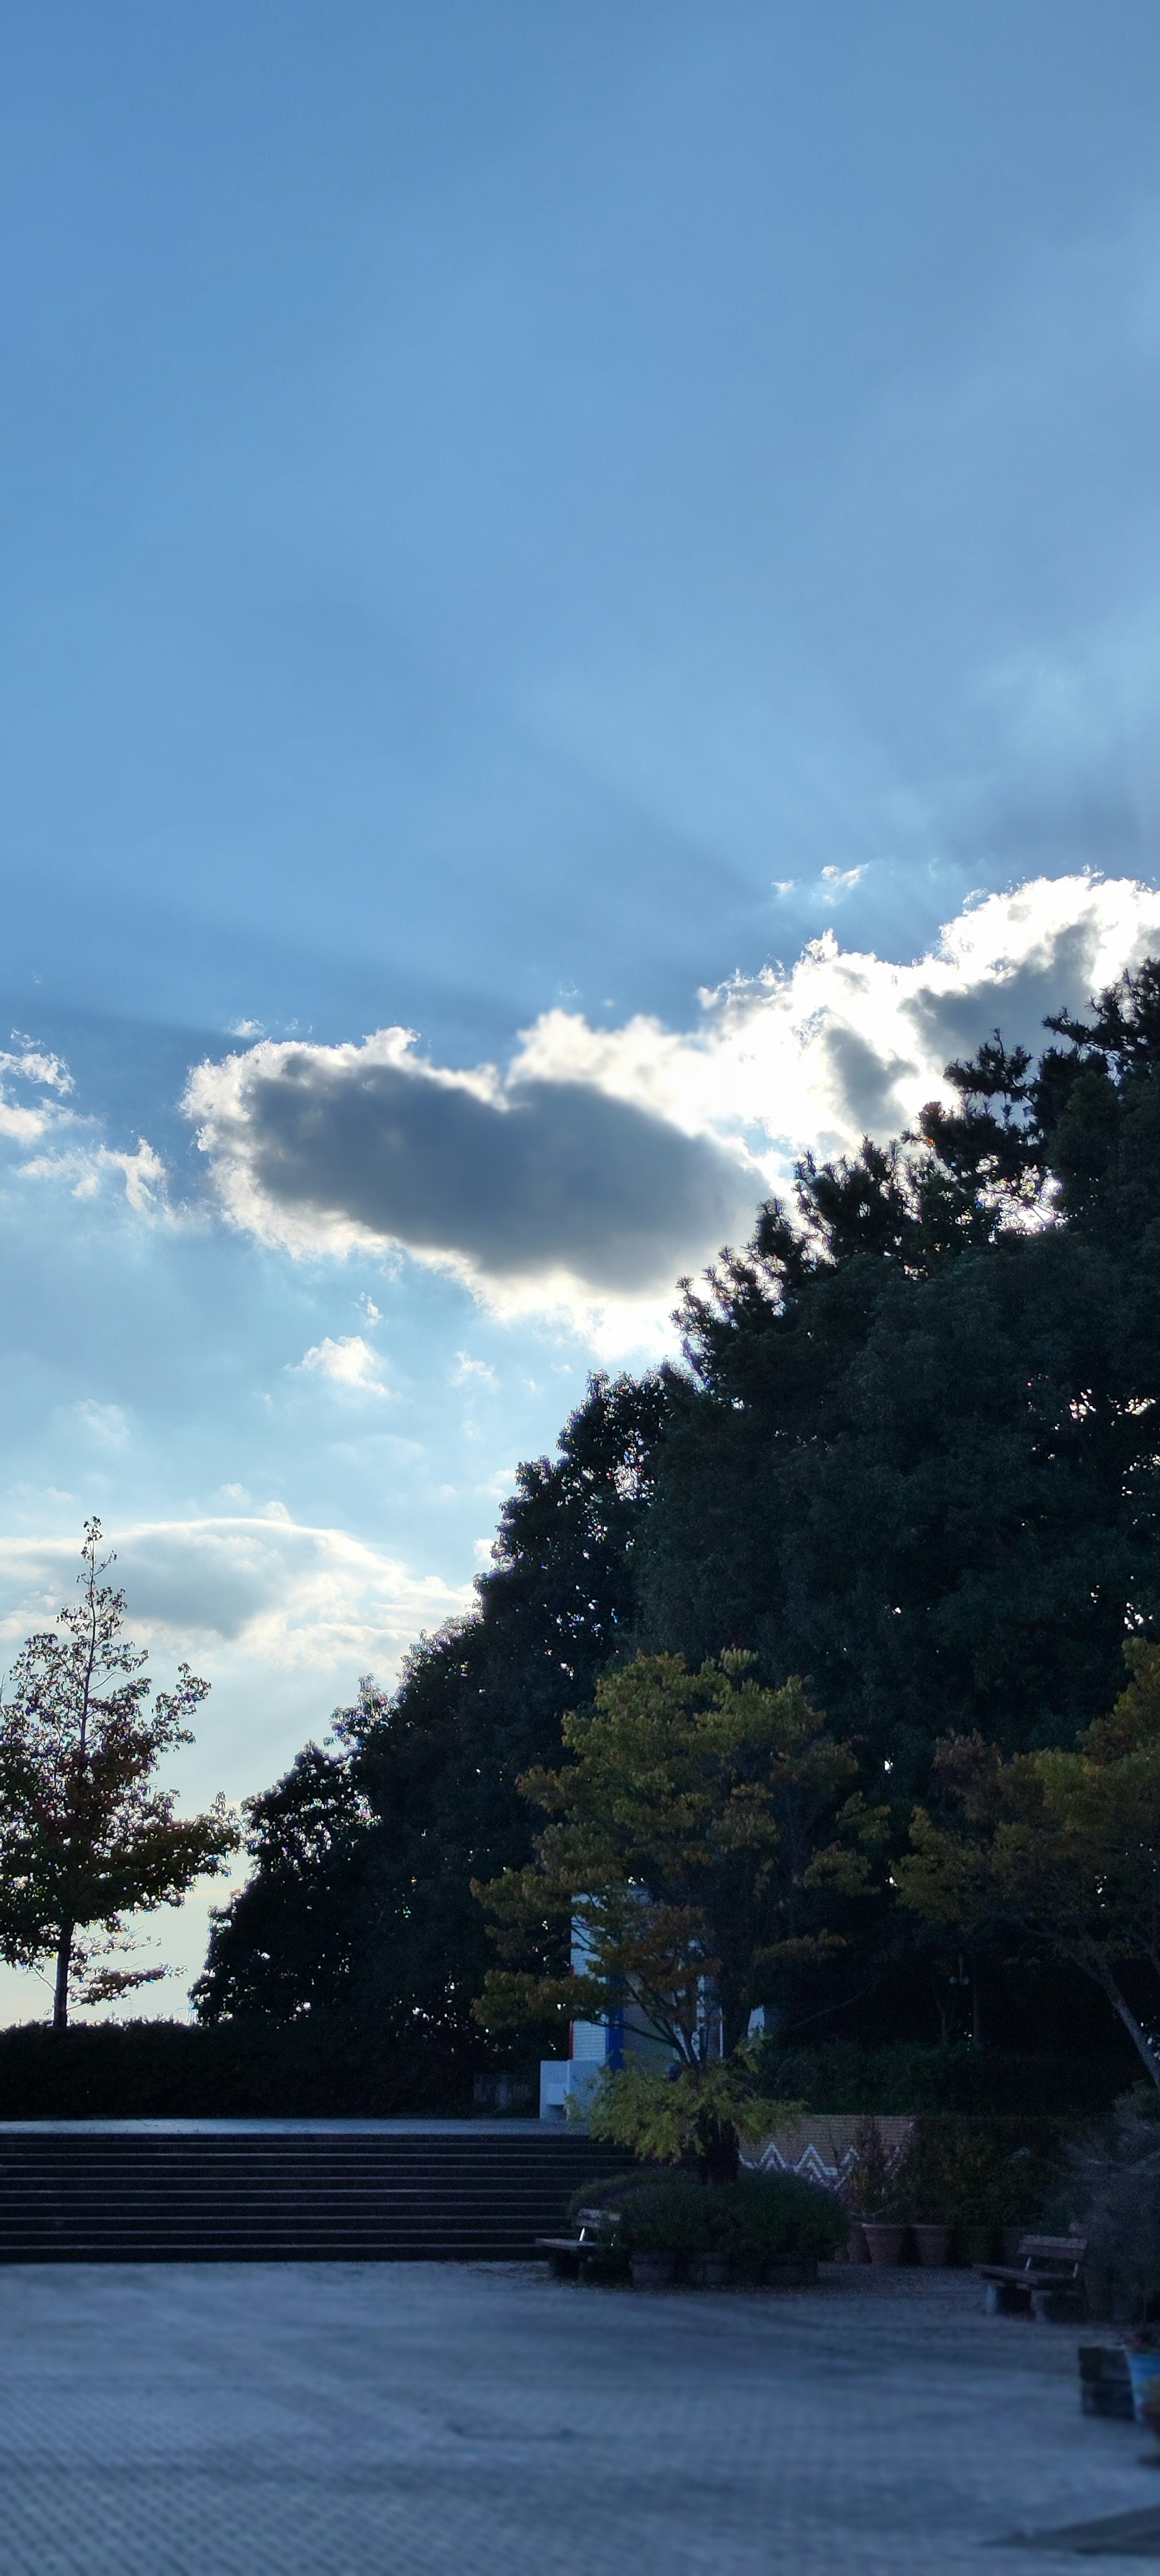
x: 448, y: 2192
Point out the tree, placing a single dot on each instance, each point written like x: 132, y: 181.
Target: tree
x: 695, y: 1836
x: 1060, y: 1846
x: 914, y: 1457
x: 360, y: 1898
x: 85, y: 1836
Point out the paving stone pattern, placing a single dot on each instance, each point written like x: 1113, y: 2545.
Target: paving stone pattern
x: 452, y: 2420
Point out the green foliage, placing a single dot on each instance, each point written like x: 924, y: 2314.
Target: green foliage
x: 1116, y: 2197
x: 868, y: 2186
x: 664, y: 2118
x: 669, y: 2216
x: 910, y: 2076
x: 86, y: 1837
x: 764, y: 2219
x: 975, y: 2173
x: 695, y: 1834
x: 756, y: 2222
x: 912, y: 1457
x: 359, y: 1899
x: 317, y: 2068
x: 1062, y: 1846
x: 916, y: 1457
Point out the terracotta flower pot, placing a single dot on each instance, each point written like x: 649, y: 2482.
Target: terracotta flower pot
x: 885, y: 2239
x: 856, y: 2249
x: 652, y: 2271
x: 978, y: 2244
x: 1011, y: 2239
x: 709, y: 2272
x: 932, y: 2243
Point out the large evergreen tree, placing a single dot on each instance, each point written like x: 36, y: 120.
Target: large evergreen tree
x: 912, y: 1459
x: 915, y: 1455
x: 360, y: 1896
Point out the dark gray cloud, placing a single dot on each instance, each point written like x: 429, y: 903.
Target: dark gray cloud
x: 1061, y: 974
x: 864, y: 1079
x: 557, y: 1177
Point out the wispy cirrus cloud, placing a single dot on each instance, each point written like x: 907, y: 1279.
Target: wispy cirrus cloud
x: 31, y: 1069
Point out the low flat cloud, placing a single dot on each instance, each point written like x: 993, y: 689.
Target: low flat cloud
x: 605, y: 1161
x: 290, y: 1596
x: 512, y: 1182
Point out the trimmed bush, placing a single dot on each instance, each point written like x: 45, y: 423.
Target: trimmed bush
x: 756, y: 2222
x: 259, y: 2069
x: 843, y: 2076
x: 764, y: 2219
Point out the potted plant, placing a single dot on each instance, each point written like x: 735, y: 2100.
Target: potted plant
x: 923, y: 2189
x: 868, y: 2191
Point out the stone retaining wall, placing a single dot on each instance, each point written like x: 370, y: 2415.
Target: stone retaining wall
x: 821, y: 2145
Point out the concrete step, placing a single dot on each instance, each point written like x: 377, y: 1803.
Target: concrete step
x: 108, y: 2196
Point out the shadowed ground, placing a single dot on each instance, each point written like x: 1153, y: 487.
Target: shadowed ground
x: 438, y: 2420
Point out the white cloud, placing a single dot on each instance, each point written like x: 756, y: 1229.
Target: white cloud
x: 836, y: 881
x: 85, y: 1169
x: 107, y: 1422
x: 21, y: 1120
x: 268, y: 1588
x: 606, y: 1160
x: 466, y: 1368
x: 349, y: 1363
x: 844, y: 1042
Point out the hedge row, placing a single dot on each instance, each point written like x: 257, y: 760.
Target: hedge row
x: 842, y: 2076
x: 241, y: 2070
x: 320, y: 2069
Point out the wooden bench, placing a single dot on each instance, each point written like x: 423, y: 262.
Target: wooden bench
x: 1046, y: 2282
x: 572, y: 2256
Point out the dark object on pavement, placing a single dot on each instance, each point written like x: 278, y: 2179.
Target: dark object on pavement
x: 1118, y: 2535
x: 1105, y: 2381
x: 1046, y: 2283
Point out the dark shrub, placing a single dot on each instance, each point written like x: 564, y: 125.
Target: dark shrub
x: 667, y: 2216
x: 979, y: 2173
x: 906, y: 2076
x: 1116, y: 2195
x: 775, y: 2218
x: 757, y: 2221
x: 316, y: 2068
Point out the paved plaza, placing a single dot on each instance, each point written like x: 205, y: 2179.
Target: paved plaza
x: 436, y: 2420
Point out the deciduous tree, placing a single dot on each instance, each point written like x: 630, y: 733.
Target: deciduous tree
x: 86, y: 1836
x: 696, y: 1834
x: 1060, y: 1846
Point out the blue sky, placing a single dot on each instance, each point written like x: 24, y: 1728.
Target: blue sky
x: 623, y: 542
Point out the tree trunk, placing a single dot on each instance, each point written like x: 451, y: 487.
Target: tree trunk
x: 719, y: 2152
x: 1092, y: 1960
x: 63, y: 1964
